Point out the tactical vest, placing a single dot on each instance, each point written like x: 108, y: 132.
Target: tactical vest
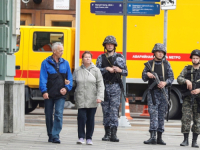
x: 158, y: 69
x: 105, y: 63
x: 191, y: 76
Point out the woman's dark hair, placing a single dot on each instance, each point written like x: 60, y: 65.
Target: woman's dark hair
x: 86, y: 52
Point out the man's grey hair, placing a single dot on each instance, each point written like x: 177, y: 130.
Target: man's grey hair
x: 55, y: 45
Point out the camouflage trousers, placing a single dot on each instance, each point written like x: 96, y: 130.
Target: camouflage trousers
x: 158, y: 111
x: 187, y: 113
x: 110, y: 105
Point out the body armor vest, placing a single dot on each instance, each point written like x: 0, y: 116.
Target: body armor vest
x: 158, y: 69
x: 191, y: 74
x: 105, y: 63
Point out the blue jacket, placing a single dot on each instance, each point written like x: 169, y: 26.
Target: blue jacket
x: 50, y: 81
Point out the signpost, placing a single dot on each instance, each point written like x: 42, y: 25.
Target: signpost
x: 108, y: 0
x: 106, y: 8
x: 165, y: 5
x: 143, y: 0
x: 168, y: 4
x: 133, y: 7
x: 143, y: 9
x: 128, y: 7
x: 127, y: 0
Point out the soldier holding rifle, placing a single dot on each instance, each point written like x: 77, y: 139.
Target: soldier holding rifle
x: 190, y: 81
x: 158, y: 73
x: 112, y: 66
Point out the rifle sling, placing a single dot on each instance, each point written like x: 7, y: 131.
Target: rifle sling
x: 192, y: 77
x: 152, y: 85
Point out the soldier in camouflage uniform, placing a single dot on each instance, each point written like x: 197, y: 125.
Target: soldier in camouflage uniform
x: 157, y: 105
x: 191, y: 74
x: 112, y: 66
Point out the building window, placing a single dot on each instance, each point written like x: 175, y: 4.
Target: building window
x: 42, y: 41
x: 22, y: 22
x: 60, y: 20
x: 62, y: 24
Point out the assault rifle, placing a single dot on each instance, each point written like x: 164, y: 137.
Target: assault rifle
x: 156, y: 82
x: 188, y: 93
x: 121, y: 85
x: 118, y: 77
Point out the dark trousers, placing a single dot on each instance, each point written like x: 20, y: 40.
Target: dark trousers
x: 86, y: 117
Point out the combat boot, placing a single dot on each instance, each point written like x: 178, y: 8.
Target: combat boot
x: 194, y: 140
x: 107, y: 134
x: 152, y: 139
x: 185, y: 141
x: 159, y: 139
x: 114, y: 134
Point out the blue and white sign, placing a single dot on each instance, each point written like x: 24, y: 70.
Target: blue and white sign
x: 143, y: 0
x: 106, y: 8
x: 108, y: 0
x: 143, y: 9
x: 127, y: 0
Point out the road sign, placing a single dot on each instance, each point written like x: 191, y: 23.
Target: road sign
x: 127, y: 0
x: 108, y: 0
x: 143, y: 9
x: 106, y: 8
x: 143, y: 0
x: 168, y: 4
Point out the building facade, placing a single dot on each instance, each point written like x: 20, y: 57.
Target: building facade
x: 48, y: 13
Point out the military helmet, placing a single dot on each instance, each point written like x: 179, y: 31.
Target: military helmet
x: 195, y: 52
x: 110, y: 39
x: 159, y: 47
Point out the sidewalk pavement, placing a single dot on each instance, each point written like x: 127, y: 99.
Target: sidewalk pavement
x: 35, y: 138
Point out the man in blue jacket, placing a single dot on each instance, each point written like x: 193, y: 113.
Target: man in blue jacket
x: 54, y: 71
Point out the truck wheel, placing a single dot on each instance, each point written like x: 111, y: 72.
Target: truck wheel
x: 175, y: 109
x: 28, y: 110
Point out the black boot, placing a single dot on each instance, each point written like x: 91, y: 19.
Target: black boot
x: 107, y: 134
x: 194, y: 140
x: 114, y: 134
x: 185, y: 141
x: 152, y: 139
x: 159, y: 139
